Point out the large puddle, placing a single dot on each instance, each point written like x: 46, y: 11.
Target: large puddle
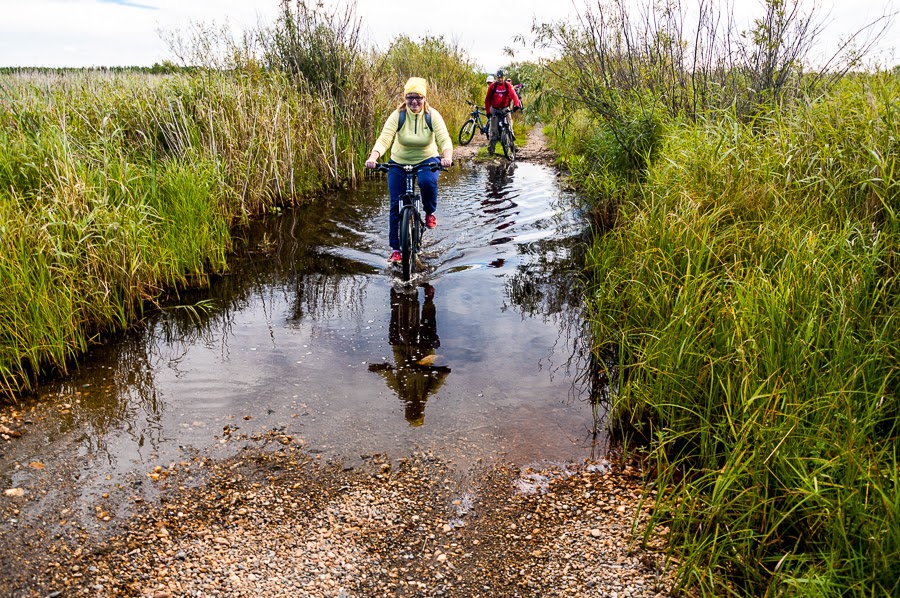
x: 313, y: 336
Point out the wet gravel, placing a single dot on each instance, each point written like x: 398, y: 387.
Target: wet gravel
x: 286, y: 523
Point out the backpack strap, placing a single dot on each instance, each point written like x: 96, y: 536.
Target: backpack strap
x: 402, y: 119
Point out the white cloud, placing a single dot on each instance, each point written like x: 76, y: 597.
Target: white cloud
x: 34, y: 32
x: 39, y: 32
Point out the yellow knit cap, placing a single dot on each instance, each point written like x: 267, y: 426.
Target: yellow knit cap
x: 415, y: 85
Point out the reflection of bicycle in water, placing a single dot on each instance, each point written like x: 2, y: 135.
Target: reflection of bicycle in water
x: 499, y: 195
x: 413, y: 338
x: 500, y: 179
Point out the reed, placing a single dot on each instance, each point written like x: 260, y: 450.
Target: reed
x: 117, y: 186
x: 750, y: 284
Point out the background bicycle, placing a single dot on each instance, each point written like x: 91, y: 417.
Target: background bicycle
x: 478, y: 121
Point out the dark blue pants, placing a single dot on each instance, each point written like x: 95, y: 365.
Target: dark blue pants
x: 428, y: 187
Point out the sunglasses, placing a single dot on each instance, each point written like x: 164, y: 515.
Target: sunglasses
x: 414, y: 98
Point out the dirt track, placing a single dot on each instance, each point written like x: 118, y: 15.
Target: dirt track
x: 535, y: 148
x: 283, y: 523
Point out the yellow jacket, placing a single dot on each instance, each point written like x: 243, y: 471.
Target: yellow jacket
x: 415, y: 142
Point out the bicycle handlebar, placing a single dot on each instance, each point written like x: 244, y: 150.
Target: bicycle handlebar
x: 478, y: 107
x: 386, y: 166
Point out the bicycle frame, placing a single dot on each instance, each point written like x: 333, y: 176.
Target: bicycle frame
x: 410, y: 183
x: 481, y: 122
x: 411, y: 225
x: 503, y: 126
x: 410, y: 199
x: 502, y: 123
x: 481, y: 118
x: 410, y: 218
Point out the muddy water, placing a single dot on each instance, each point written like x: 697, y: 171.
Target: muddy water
x: 312, y: 335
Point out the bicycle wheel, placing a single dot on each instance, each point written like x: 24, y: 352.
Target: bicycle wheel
x: 409, y: 240
x: 467, y: 132
x: 509, y: 146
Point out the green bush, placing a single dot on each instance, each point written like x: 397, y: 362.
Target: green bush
x: 752, y: 292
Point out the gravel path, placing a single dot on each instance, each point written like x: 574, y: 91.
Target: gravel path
x: 282, y: 523
x: 535, y: 149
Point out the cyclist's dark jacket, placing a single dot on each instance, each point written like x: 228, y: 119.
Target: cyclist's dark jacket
x: 500, y: 96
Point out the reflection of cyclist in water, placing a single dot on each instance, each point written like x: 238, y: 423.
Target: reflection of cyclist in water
x: 499, y: 181
x: 414, y: 339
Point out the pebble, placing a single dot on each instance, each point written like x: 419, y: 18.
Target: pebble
x: 286, y: 524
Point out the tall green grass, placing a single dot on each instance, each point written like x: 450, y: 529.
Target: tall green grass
x: 117, y: 186
x: 90, y: 228
x: 751, y: 285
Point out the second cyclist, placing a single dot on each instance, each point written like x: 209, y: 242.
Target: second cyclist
x: 500, y: 95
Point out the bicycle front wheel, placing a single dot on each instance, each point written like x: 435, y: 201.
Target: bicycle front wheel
x: 509, y: 146
x: 409, y: 241
x: 467, y: 132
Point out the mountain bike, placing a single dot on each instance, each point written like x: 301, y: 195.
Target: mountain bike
x: 411, y: 223
x: 478, y: 120
x: 507, y: 137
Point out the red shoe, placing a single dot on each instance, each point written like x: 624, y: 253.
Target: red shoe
x: 395, y: 256
x: 430, y: 221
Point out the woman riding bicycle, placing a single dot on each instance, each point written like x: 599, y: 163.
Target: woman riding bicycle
x: 414, y: 142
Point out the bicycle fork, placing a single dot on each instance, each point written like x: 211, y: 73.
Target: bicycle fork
x: 410, y: 203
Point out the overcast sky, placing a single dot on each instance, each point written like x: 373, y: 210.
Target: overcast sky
x: 124, y: 32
